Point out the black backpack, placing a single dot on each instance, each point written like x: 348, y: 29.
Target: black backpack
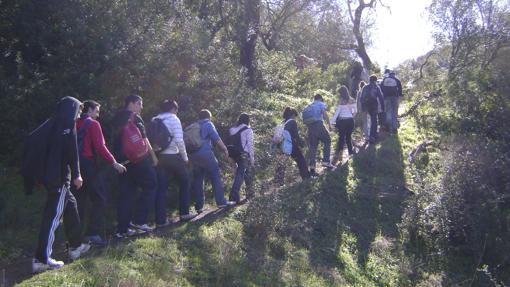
x: 234, y: 145
x: 80, y: 135
x: 369, y: 97
x: 159, y: 135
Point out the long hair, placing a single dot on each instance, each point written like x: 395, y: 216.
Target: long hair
x: 344, y: 97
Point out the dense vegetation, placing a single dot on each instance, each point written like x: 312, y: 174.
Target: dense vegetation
x: 441, y: 217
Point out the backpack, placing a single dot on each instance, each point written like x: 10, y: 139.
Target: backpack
x: 159, y: 135
x: 389, y: 87
x: 193, y: 137
x: 309, y: 115
x: 369, y: 97
x: 286, y: 145
x: 134, y: 146
x: 80, y: 135
x: 234, y: 144
x: 278, y: 132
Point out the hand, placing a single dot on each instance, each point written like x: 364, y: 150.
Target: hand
x: 78, y: 182
x: 225, y: 152
x: 119, y: 167
x: 155, y: 161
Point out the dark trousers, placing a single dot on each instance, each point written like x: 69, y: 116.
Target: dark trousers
x: 373, y: 124
x: 172, y: 165
x: 243, y: 173
x: 59, y: 202
x: 317, y: 133
x: 344, y: 128
x: 91, y: 198
x: 141, y: 175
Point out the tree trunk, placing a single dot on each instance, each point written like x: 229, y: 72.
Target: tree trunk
x: 248, y: 39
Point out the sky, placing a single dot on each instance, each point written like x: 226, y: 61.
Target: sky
x: 403, y: 33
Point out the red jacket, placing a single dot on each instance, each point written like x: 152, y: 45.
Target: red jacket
x: 94, y: 140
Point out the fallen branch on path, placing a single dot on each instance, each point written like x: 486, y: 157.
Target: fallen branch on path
x: 418, y: 103
x: 417, y: 150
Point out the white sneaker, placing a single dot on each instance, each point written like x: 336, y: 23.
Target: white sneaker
x: 144, y: 227
x: 327, y: 164
x: 75, y: 253
x: 228, y: 203
x: 38, y: 266
x: 130, y: 232
x: 186, y: 217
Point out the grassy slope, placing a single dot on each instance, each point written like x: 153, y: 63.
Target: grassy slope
x: 341, y: 229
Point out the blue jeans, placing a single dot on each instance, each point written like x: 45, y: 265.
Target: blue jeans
x: 205, y: 164
x: 391, y: 106
x: 243, y: 172
x: 172, y: 165
x: 141, y: 174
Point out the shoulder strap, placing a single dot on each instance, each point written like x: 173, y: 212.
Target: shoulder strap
x: 241, y: 130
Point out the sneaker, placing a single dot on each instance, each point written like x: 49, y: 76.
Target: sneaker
x: 144, y: 227
x: 227, y: 203
x: 130, y: 232
x: 327, y: 164
x: 75, y: 253
x: 38, y: 266
x: 313, y: 173
x: 95, y: 240
x: 161, y: 225
x: 201, y: 210
x: 187, y: 217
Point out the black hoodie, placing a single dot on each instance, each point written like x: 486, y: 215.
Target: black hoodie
x: 51, y: 151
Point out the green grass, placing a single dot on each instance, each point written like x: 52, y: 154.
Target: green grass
x: 338, y: 230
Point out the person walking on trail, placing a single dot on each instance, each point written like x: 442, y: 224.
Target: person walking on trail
x: 241, y: 149
x: 91, y: 144
x: 51, y: 157
x: 343, y: 119
x: 313, y: 116
x: 287, y: 139
x: 372, y: 101
x: 392, y: 91
x: 130, y: 145
x: 363, y: 114
x: 205, y: 164
x: 173, y: 162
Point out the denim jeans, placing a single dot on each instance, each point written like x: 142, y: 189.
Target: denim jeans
x: 143, y: 175
x: 391, y: 105
x: 317, y: 133
x: 206, y: 165
x: 373, y: 124
x: 365, y: 124
x: 243, y: 172
x: 172, y: 165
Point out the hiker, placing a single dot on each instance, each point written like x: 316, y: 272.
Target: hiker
x: 344, y: 122
x: 313, y: 116
x: 205, y: 164
x: 290, y: 144
x: 392, y: 91
x: 91, y: 144
x: 130, y: 145
x: 173, y: 162
x: 241, y: 149
x: 373, y: 102
x: 50, y: 157
x: 363, y: 115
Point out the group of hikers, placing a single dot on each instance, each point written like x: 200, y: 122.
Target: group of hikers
x: 62, y: 154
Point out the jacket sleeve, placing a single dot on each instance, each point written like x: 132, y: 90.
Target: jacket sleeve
x: 333, y: 119
x: 399, y: 87
x: 249, y: 144
x: 381, y: 98
x: 73, y: 158
x: 178, y: 138
x: 99, y: 143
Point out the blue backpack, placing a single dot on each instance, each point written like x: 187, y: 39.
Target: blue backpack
x: 309, y: 115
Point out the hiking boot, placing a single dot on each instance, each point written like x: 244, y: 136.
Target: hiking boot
x: 227, y: 203
x: 130, y: 232
x: 75, y: 253
x: 38, y: 266
x: 187, y: 217
x: 95, y: 240
x: 144, y: 227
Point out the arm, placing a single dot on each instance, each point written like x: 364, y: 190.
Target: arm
x: 141, y: 127
x: 74, y: 160
x: 223, y: 147
x: 249, y: 145
x: 326, y: 118
x: 178, y: 138
x: 399, y: 87
x: 292, y: 128
x: 215, y: 137
x: 333, y: 119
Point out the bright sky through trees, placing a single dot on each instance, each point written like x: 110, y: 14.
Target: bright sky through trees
x: 402, y: 32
